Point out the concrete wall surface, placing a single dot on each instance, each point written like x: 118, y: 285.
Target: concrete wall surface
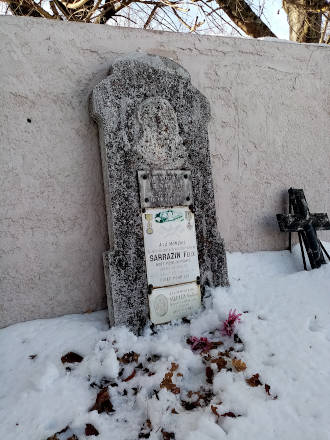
x: 270, y: 129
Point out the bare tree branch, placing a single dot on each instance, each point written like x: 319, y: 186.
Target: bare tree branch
x: 181, y: 19
x: 61, y: 8
x: 91, y: 12
x: 215, y: 12
x: 107, y: 12
x: 55, y: 11
x: 152, y: 13
x: 75, y: 5
x: 28, y: 8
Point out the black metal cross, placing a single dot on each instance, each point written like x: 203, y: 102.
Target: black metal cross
x: 306, y: 224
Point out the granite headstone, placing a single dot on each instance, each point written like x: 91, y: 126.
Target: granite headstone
x: 155, y: 154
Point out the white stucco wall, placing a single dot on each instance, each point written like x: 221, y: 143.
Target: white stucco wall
x: 270, y: 129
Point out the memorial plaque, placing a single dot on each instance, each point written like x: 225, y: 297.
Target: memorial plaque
x: 174, y: 302
x: 170, y: 246
x: 165, y: 188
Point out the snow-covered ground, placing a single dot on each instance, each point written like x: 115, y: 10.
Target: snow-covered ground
x: 164, y: 390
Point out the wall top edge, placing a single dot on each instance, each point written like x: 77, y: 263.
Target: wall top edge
x: 32, y: 21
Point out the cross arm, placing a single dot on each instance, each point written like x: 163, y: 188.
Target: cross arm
x: 296, y: 222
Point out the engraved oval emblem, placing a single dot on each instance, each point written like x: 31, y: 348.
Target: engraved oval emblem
x: 161, y: 305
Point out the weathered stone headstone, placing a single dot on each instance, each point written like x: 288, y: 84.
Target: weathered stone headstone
x: 158, y: 190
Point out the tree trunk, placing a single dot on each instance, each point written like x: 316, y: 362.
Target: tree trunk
x: 245, y: 18
x: 304, y: 23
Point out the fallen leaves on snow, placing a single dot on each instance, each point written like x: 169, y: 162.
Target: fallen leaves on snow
x: 146, y: 429
x: 103, y: 403
x: 130, y: 376
x: 238, y: 364
x: 59, y: 435
x: 90, y: 430
x: 134, y: 365
x: 167, y: 381
x: 220, y: 362
x: 129, y: 357
x: 168, y: 435
x: 197, y: 399
x: 209, y: 375
x: 71, y: 358
x: 253, y: 381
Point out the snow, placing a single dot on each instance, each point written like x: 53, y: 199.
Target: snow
x: 285, y: 333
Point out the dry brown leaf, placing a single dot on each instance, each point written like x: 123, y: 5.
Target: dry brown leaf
x: 215, y: 344
x: 103, y: 403
x: 238, y: 364
x: 229, y: 414
x: 71, y: 357
x: 145, y: 429
x: 267, y: 389
x: 209, y: 375
x: 90, y: 430
x: 129, y: 357
x: 168, y: 384
x: 214, y: 410
x: 57, y: 434
x: 130, y: 376
x: 227, y: 352
x: 199, y: 399
x: 167, y: 381
x: 168, y: 435
x: 220, y: 361
x: 253, y: 381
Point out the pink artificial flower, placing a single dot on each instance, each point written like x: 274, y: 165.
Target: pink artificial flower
x: 229, y: 324
x: 202, y: 344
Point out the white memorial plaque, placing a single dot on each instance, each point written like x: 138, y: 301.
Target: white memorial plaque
x: 170, y: 246
x: 174, y: 302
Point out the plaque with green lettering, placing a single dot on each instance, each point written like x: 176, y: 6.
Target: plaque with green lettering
x: 170, y: 246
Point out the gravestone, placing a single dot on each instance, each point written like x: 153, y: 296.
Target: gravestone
x: 164, y: 243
